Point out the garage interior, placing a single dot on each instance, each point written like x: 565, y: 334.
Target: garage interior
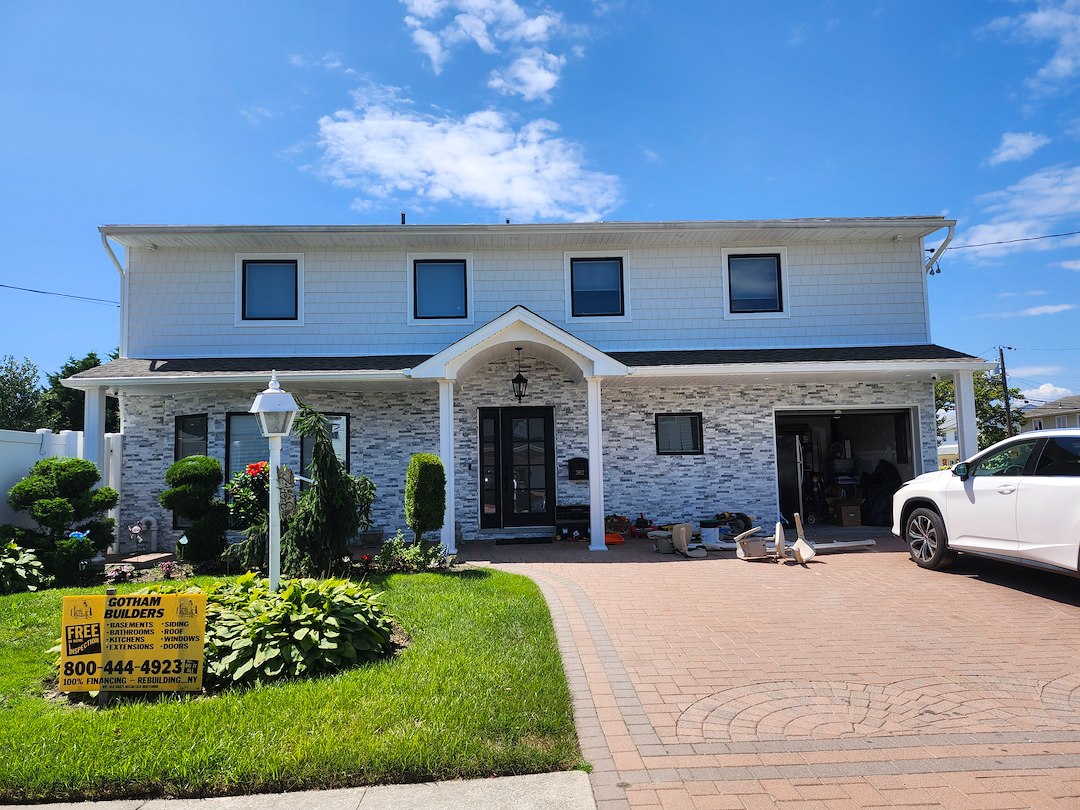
x: 843, y: 465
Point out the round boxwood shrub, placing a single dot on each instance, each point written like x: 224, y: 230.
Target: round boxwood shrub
x: 425, y: 494
x: 307, y: 628
x: 192, y: 495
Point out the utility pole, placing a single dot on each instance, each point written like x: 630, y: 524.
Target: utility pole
x: 1005, y: 389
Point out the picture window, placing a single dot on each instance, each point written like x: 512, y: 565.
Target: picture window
x: 270, y: 290
x: 596, y: 286
x: 679, y: 434
x: 440, y: 288
x: 754, y: 283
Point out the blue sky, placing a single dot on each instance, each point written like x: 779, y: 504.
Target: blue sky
x: 479, y: 110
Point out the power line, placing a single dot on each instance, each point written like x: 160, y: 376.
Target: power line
x: 1011, y: 241
x: 62, y: 295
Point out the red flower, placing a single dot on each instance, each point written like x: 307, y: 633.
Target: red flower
x: 257, y: 467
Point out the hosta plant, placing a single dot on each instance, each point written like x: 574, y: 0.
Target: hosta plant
x: 20, y: 570
x: 307, y: 628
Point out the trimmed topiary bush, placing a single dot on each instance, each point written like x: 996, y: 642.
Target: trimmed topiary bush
x: 59, y: 495
x: 306, y: 629
x: 425, y: 494
x: 192, y: 495
x: 20, y: 570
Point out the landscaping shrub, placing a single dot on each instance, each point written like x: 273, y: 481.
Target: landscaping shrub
x: 425, y: 494
x: 398, y: 557
x: 329, y: 513
x: 308, y: 628
x: 20, y: 570
x: 59, y: 495
x: 192, y: 495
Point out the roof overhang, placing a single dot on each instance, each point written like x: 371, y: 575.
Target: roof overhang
x: 540, y: 235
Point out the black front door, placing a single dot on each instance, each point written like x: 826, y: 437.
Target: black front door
x: 517, y: 467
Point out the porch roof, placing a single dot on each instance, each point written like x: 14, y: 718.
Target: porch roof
x: 878, y: 362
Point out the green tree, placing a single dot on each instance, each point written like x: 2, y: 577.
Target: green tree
x: 20, y: 395
x: 192, y: 495
x: 59, y: 495
x: 328, y: 514
x: 63, y: 407
x: 989, y: 406
x: 425, y: 494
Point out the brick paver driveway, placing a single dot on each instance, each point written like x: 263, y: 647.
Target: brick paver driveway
x: 859, y: 680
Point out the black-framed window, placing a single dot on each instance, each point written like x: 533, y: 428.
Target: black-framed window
x: 754, y: 283
x: 1060, y: 456
x: 679, y: 434
x: 244, y: 443
x: 596, y: 287
x: 440, y: 288
x: 190, y: 435
x: 270, y: 290
x: 190, y: 438
x: 338, y: 424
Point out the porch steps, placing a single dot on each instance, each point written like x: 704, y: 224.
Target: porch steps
x: 140, y: 562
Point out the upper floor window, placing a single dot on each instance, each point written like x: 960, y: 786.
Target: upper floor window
x: 679, y: 434
x: 596, y: 286
x: 440, y: 288
x: 756, y: 283
x: 270, y: 289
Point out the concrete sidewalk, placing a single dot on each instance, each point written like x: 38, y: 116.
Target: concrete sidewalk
x: 546, y: 791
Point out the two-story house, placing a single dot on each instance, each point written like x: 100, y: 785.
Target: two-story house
x: 1059, y: 413
x: 694, y: 366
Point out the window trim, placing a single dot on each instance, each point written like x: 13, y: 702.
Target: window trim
x: 241, y: 259
x: 410, y: 283
x: 1061, y: 421
x: 624, y: 293
x: 348, y: 444
x: 700, y: 434
x: 784, y: 269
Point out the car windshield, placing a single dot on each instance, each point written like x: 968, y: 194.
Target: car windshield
x: 1009, y: 460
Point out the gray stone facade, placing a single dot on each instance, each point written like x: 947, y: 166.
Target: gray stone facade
x: 736, y: 472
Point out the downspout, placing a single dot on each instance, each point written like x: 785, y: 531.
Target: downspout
x: 120, y: 270
x: 123, y: 293
x: 941, y: 249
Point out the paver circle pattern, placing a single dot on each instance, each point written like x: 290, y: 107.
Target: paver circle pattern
x: 786, y: 710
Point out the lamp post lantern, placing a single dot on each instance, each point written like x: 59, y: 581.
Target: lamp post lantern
x: 275, y: 410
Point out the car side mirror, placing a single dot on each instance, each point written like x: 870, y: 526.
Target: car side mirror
x: 961, y: 469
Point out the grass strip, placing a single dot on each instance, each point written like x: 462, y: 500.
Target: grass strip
x: 480, y: 691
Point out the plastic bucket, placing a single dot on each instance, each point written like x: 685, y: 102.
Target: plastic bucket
x: 710, y: 534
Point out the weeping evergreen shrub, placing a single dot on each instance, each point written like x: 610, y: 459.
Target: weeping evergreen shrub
x: 425, y: 494
x: 329, y: 513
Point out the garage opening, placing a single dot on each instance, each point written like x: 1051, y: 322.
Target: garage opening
x: 843, y: 465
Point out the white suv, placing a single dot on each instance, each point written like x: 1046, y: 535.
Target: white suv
x: 1017, y: 501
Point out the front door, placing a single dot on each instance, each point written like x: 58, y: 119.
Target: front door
x: 517, y: 467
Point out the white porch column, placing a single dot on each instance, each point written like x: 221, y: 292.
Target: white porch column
x: 967, y: 429
x: 446, y: 453
x: 94, y: 427
x: 596, y: 468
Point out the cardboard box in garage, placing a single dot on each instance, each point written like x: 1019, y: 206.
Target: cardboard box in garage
x: 845, y: 511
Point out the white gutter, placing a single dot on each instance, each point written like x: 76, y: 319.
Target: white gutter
x: 940, y: 250
x: 823, y: 367
x: 109, y: 250
x: 235, y: 379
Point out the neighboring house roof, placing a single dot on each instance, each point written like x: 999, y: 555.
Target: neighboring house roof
x: 1055, y: 408
x: 571, y: 235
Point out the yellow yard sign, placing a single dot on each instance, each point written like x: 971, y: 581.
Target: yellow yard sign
x: 133, y: 643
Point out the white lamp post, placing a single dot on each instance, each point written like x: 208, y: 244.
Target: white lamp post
x: 276, y: 410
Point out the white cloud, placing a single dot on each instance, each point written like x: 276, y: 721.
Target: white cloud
x: 1048, y: 309
x: 1035, y: 371
x: 392, y: 153
x: 1025, y: 292
x: 651, y: 156
x: 797, y: 34
x: 532, y: 76
x: 1034, y: 206
x: 1057, y: 23
x: 1017, y: 146
x: 1047, y: 392
x: 256, y: 115
x: 1071, y: 264
x: 493, y: 25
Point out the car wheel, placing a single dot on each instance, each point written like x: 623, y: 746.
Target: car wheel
x: 924, y: 533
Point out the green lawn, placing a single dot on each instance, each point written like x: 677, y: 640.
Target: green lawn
x: 479, y: 692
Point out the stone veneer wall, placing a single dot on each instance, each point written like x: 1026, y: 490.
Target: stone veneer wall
x: 385, y: 429
x: 736, y: 472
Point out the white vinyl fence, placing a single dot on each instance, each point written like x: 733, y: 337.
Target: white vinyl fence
x: 19, y: 451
